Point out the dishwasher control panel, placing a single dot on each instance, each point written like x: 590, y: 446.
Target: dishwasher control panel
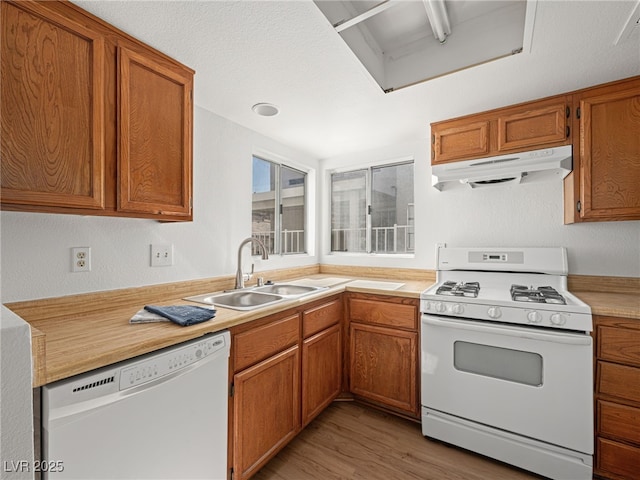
x: 171, y: 362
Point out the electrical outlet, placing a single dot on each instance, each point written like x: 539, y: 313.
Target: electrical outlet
x: 81, y: 259
x: 161, y: 255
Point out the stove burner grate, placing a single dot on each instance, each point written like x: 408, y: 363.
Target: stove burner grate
x: 459, y: 289
x: 520, y: 293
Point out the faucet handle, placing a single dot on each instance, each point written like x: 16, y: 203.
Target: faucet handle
x: 249, y: 276
x: 260, y: 282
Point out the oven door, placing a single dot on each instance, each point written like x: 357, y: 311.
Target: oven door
x: 521, y: 380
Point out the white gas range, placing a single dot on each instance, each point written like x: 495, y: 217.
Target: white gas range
x: 507, y: 359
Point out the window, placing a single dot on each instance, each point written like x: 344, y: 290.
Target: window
x: 278, y: 207
x: 372, y: 210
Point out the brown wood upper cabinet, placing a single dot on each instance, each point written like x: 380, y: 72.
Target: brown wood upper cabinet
x: 605, y: 182
x: 94, y: 122
x: 528, y: 126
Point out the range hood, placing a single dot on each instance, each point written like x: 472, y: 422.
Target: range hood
x: 525, y: 167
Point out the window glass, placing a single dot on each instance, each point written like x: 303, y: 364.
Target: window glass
x: 497, y: 362
x: 372, y: 210
x: 263, y: 218
x: 349, y: 211
x: 278, y: 207
x: 293, y: 210
x: 392, y: 208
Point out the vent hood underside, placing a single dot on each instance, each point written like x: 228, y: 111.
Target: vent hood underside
x: 526, y: 167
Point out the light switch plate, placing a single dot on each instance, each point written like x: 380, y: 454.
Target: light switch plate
x: 161, y: 255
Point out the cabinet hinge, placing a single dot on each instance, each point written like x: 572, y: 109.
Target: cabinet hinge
x: 281, y: 209
x: 568, y: 110
x: 579, y: 206
x: 232, y: 389
x: 368, y: 209
x: 433, y: 139
x: 231, y: 473
x: 578, y: 112
x: 568, y: 131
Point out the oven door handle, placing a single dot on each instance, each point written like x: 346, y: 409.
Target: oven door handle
x: 557, y: 337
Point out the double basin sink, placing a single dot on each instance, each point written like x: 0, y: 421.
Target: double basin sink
x: 256, y: 297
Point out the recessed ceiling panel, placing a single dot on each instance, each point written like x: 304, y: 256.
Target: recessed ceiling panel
x: 402, y: 43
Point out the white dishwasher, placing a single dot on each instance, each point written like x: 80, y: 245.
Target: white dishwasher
x: 159, y: 416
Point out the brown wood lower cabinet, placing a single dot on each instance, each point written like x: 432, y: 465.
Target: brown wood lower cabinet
x: 286, y: 369
x: 383, y: 367
x: 266, y: 410
x: 384, y: 352
x: 321, y: 371
x: 617, y: 397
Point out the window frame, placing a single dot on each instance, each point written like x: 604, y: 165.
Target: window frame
x: 368, y: 168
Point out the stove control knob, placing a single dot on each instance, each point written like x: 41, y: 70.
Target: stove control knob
x: 427, y: 306
x: 494, y: 312
x: 440, y: 307
x: 558, y: 319
x: 534, y: 317
x: 457, y: 309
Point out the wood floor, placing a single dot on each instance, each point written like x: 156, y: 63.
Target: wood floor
x: 350, y: 441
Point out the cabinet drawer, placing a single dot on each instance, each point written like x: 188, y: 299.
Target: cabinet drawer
x: 619, y: 421
x: 321, y: 317
x: 262, y: 342
x: 619, y: 381
x: 619, y: 345
x: 383, y: 313
x: 617, y: 458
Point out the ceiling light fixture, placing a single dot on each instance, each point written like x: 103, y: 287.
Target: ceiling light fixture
x: 265, y: 109
x: 438, y: 18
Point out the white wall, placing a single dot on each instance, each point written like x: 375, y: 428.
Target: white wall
x: 16, y: 411
x: 36, y: 256
x: 505, y: 216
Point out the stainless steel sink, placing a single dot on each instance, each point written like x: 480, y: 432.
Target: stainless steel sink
x: 241, y: 300
x: 287, y: 290
x: 255, y: 297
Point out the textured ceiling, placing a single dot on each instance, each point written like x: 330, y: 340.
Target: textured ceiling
x: 287, y: 53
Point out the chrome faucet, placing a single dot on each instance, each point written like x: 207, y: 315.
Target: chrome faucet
x: 239, y: 274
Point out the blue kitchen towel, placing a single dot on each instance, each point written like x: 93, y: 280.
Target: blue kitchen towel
x: 184, y: 315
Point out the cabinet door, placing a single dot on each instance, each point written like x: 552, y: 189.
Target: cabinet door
x: 383, y: 366
x: 532, y: 127
x: 321, y: 371
x: 610, y: 153
x: 266, y: 410
x: 155, y: 156
x: 52, y: 109
x: 459, y: 139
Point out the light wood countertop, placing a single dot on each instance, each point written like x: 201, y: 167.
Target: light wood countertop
x: 79, y: 333
x: 626, y: 305
x: 70, y: 338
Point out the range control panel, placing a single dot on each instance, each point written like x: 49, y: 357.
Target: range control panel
x: 171, y: 362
